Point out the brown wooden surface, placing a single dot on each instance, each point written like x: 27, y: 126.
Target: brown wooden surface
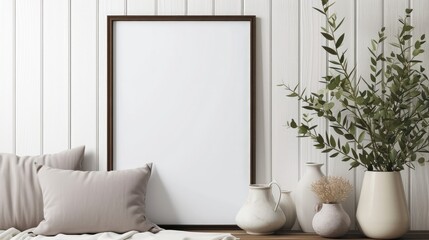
x: 300, y: 235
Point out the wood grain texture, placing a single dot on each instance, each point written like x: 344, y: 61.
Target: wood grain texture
x: 105, y: 8
x: 335, y: 167
x: 286, y: 235
x: 40, y: 33
x: 394, y: 9
x: 200, y: 7
x: 284, y: 68
x: 172, y: 7
x: 55, y: 75
x: 141, y: 7
x: 28, y: 77
x: 228, y: 7
x: 367, y: 29
x: 84, y: 79
x: 419, y: 178
x: 313, y: 67
x: 7, y: 76
x: 262, y: 8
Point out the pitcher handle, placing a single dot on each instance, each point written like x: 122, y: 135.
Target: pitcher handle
x: 318, y: 207
x: 280, y: 194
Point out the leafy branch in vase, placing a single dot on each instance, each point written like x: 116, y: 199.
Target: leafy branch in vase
x: 381, y: 121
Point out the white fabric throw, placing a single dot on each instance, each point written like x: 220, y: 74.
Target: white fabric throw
x: 14, y: 234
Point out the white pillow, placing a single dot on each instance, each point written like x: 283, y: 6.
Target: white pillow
x: 78, y: 202
x: 21, y: 204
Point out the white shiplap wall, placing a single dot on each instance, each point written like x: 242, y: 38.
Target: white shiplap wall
x: 53, y: 76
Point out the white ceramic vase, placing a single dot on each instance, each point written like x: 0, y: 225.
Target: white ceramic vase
x: 382, y: 209
x: 260, y: 214
x: 304, y: 198
x: 331, y: 221
x: 288, y: 207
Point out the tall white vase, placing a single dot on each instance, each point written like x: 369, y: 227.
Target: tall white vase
x: 288, y: 207
x: 305, y: 199
x: 382, y: 210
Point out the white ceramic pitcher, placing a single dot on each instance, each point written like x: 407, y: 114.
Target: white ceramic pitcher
x: 260, y: 214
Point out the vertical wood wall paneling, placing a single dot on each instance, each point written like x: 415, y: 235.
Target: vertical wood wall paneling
x: 84, y: 38
x: 55, y: 75
x: 419, y: 178
x: 344, y: 9
x: 262, y: 9
x: 200, y: 7
x: 28, y: 77
x: 7, y: 76
x: 141, y: 7
x: 393, y: 9
x: 367, y: 29
x: 34, y: 86
x: 172, y: 7
x: 284, y: 68
x: 313, y: 68
x: 106, y: 7
x: 228, y: 7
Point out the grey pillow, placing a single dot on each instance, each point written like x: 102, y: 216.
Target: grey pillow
x: 21, y: 204
x: 78, y: 202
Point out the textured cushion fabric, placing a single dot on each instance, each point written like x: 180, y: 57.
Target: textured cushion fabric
x: 95, y: 201
x: 21, y: 204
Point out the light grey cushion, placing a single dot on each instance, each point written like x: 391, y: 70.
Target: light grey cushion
x: 78, y: 202
x: 21, y: 204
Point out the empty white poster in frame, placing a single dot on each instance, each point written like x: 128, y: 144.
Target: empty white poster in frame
x: 180, y: 95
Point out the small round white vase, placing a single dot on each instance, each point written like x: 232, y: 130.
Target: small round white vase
x: 288, y: 207
x: 305, y: 199
x: 382, y: 210
x: 331, y: 221
x: 260, y: 214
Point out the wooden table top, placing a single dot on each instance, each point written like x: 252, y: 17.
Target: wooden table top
x: 300, y: 235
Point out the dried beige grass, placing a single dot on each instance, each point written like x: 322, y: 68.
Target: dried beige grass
x: 332, y: 189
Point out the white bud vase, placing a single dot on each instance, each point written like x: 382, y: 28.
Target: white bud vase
x: 260, y: 214
x: 305, y: 199
x: 382, y: 210
x: 288, y: 207
x: 331, y: 221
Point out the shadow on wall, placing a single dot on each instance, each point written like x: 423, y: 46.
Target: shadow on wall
x: 89, y: 161
x: 159, y: 196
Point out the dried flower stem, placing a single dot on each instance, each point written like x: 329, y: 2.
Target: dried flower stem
x: 332, y: 189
